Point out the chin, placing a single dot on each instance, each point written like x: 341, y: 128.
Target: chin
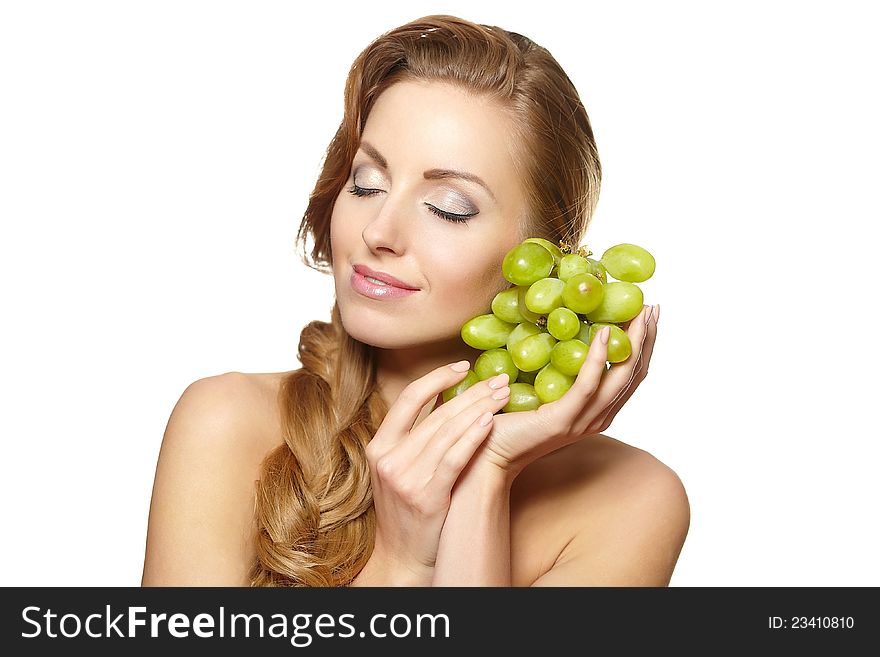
x: 370, y: 327
x: 386, y: 331
x: 378, y: 338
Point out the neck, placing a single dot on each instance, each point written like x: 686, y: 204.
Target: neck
x: 397, y: 368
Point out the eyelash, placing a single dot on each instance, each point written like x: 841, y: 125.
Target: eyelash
x: 448, y: 216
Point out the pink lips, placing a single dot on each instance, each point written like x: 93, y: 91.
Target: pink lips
x: 394, y: 290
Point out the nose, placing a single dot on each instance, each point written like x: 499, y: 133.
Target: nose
x: 386, y: 232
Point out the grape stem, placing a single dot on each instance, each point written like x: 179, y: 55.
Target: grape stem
x: 584, y: 252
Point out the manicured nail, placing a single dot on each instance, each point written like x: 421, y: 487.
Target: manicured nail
x: 485, y: 419
x: 603, y: 334
x: 498, y: 381
x: 461, y: 366
x: 501, y: 393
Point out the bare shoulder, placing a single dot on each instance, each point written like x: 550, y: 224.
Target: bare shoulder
x: 597, y: 512
x: 201, y: 514
x: 234, y: 412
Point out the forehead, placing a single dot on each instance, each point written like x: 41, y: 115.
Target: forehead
x: 421, y: 125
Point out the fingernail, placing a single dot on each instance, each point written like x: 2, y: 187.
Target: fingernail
x: 461, y: 366
x: 657, y: 314
x: 603, y: 334
x: 501, y: 393
x: 498, y: 381
x: 485, y: 419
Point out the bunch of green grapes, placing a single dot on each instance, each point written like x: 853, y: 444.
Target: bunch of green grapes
x: 541, y: 327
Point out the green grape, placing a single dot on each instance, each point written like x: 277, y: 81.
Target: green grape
x: 628, y: 262
x: 563, y: 323
x: 621, y: 301
x: 486, y: 332
x: 493, y: 362
x: 544, y: 296
x: 469, y: 379
x: 598, y: 270
x: 568, y: 356
x: 547, y: 244
x: 522, y: 330
x: 505, y: 306
x: 522, y: 398
x: 527, y: 377
x: 526, y: 263
x: 619, y: 345
x: 572, y: 264
x: 551, y: 384
x: 533, y: 352
x: 540, y: 329
x: 584, y: 333
x: 527, y: 314
x: 582, y: 293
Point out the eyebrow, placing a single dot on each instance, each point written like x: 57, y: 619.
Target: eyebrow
x: 430, y: 174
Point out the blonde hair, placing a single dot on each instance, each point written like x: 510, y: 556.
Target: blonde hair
x: 314, y: 504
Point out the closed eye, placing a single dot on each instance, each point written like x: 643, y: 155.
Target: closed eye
x: 448, y: 216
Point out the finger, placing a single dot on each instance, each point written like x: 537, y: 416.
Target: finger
x: 451, y: 431
x: 637, y: 331
x: 461, y: 401
x: 478, y: 395
x: 619, y: 376
x: 456, y: 458
x: 406, y: 408
x: 641, y: 373
x: 564, y: 411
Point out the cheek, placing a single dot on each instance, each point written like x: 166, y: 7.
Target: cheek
x: 337, y: 222
x: 336, y: 255
x: 472, y: 289
x: 340, y: 238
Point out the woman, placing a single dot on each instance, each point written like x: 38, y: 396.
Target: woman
x: 458, y: 141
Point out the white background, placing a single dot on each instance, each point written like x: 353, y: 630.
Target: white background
x: 156, y: 159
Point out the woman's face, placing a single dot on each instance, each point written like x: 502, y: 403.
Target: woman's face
x: 414, y: 132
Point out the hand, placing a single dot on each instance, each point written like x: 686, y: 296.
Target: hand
x: 588, y: 407
x: 413, y: 468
